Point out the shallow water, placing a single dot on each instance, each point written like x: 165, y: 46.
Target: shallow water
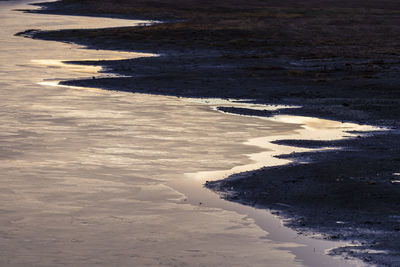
x: 93, y: 177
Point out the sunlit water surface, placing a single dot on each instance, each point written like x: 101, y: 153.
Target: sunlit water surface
x: 91, y: 177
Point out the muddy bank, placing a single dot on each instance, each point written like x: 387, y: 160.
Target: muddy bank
x: 363, y: 91
x: 349, y: 195
x: 338, y: 61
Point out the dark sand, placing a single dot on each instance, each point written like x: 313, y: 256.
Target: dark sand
x: 338, y: 59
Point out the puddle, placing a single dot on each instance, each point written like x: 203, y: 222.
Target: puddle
x: 396, y: 178
x: 215, y: 103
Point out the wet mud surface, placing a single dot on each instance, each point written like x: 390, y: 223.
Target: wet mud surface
x: 348, y: 194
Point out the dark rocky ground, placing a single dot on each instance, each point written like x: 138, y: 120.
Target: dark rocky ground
x: 338, y: 59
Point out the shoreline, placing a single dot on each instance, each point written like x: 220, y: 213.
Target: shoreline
x: 382, y: 159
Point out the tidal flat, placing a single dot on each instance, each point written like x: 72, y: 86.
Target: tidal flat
x: 337, y: 60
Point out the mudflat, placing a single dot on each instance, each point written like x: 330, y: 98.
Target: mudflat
x: 336, y: 59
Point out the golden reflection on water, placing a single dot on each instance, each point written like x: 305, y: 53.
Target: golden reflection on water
x: 87, y: 172
x: 298, y: 127
x: 52, y: 63
x: 309, y: 129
